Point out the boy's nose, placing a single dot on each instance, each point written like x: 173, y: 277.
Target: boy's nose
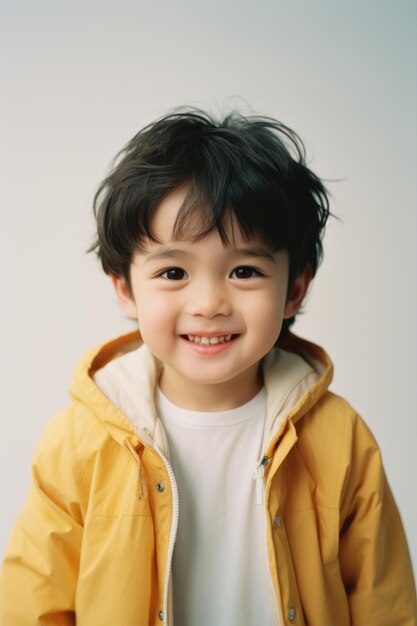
x: 209, y: 301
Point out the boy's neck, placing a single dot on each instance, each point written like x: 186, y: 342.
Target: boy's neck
x: 215, y: 397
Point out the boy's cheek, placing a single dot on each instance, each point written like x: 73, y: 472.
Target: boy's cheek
x: 154, y: 324
x: 154, y: 311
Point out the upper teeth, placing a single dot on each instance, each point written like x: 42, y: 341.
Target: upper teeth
x: 209, y: 340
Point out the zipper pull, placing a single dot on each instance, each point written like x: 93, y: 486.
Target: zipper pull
x: 258, y: 475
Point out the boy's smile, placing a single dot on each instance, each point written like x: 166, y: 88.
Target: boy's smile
x: 208, y: 311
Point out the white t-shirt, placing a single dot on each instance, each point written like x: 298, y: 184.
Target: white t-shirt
x: 220, y: 567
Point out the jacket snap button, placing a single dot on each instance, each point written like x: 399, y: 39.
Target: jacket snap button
x: 161, y: 615
x: 160, y: 487
x: 291, y: 614
x: 277, y: 520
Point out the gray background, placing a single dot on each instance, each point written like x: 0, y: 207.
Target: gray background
x: 81, y: 78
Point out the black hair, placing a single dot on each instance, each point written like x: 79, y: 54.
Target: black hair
x: 253, y: 168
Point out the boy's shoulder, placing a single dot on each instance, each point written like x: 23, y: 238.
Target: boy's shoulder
x: 334, y: 421
x: 75, y: 452
x: 75, y: 430
x: 338, y: 449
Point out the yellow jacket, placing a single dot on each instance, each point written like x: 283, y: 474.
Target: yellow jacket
x: 93, y: 543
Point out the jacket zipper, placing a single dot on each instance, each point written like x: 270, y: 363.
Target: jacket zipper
x: 173, y: 531
x: 258, y: 475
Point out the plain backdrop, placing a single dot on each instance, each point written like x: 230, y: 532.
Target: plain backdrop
x: 80, y: 78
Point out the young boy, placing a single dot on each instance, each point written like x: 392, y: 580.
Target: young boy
x: 203, y: 471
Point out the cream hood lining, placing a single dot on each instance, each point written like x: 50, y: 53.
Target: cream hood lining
x: 129, y: 382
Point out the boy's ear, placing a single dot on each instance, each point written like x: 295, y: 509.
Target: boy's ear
x: 124, y: 297
x: 298, y: 291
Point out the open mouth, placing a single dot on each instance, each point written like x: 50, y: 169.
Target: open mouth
x: 209, y: 341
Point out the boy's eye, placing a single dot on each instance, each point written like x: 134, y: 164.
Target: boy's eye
x: 174, y: 273
x: 245, y: 271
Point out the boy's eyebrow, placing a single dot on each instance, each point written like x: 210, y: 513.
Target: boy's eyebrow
x: 164, y: 253
x: 254, y: 251
x: 167, y: 252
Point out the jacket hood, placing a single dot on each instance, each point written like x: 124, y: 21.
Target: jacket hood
x: 302, y: 369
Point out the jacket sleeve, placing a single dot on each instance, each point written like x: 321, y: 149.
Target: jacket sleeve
x: 374, y: 558
x: 39, y: 574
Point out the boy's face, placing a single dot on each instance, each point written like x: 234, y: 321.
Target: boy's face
x: 209, y: 312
